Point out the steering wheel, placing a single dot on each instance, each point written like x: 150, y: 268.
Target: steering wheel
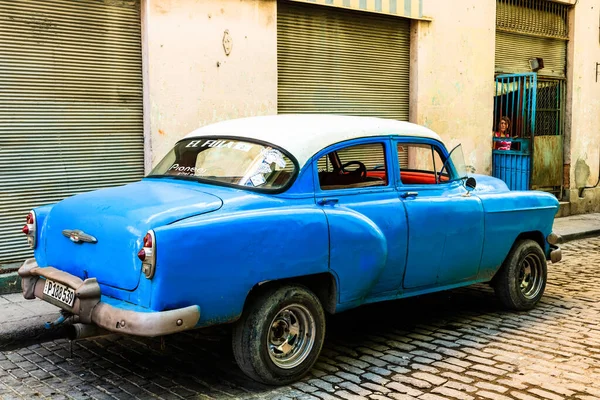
x: 361, y: 170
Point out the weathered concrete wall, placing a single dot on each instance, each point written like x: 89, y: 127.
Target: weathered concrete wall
x: 452, y: 68
x: 583, y: 106
x: 191, y: 81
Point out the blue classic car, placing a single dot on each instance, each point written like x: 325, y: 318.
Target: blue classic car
x: 270, y: 222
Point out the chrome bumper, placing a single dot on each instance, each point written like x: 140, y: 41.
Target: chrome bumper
x: 555, y: 255
x: 91, y: 310
x: 554, y: 239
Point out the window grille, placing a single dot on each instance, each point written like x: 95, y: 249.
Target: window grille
x: 533, y: 17
x: 549, y: 108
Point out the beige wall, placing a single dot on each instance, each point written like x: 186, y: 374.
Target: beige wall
x: 452, y: 71
x: 584, y: 103
x: 190, y: 81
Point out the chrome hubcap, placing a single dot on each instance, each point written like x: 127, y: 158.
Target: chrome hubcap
x: 530, y: 276
x: 291, y: 336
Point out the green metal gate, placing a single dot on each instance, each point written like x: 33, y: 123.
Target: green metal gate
x: 548, y: 143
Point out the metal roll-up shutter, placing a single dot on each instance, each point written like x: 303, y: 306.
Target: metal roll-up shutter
x: 527, y: 29
x: 338, y: 61
x: 70, y: 105
x: 514, y: 50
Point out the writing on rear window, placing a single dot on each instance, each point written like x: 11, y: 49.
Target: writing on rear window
x: 228, y: 161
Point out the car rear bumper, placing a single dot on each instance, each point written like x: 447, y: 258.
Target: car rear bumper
x: 91, y: 310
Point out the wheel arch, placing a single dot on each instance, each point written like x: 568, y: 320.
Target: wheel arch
x: 536, y: 236
x: 323, y: 285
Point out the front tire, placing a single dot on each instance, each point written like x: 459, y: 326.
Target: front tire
x: 280, y: 334
x: 521, y: 281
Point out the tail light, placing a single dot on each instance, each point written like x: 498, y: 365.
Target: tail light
x: 148, y: 255
x: 29, y: 229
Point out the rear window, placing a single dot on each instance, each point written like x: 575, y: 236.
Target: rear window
x: 228, y: 161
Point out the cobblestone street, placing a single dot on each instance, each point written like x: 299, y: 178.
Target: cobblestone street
x: 456, y: 345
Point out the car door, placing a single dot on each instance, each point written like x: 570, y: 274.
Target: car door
x: 354, y: 185
x: 445, y: 221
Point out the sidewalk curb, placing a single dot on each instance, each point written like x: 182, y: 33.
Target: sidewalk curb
x: 15, y: 335
x: 10, y: 282
x: 580, y: 235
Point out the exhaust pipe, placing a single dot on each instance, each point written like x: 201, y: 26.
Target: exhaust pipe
x: 82, y: 331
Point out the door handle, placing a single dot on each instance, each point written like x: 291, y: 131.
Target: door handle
x: 409, y: 194
x: 323, y: 202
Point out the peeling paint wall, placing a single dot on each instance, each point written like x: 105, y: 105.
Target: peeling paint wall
x: 452, y: 75
x: 582, y: 142
x: 584, y: 96
x: 191, y: 81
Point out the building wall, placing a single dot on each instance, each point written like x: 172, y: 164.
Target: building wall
x: 583, y: 106
x: 191, y: 81
x: 452, y: 68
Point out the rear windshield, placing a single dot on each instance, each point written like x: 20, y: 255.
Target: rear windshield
x: 228, y: 161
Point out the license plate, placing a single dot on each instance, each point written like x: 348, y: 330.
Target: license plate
x: 59, y: 292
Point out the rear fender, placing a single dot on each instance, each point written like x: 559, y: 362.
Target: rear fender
x: 215, y: 261
x: 359, y: 259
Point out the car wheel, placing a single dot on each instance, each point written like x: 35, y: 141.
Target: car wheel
x: 280, y: 334
x: 521, y: 280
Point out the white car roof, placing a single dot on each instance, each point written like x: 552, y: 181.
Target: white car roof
x: 303, y: 135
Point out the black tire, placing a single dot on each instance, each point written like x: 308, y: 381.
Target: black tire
x: 521, y: 280
x: 263, y: 326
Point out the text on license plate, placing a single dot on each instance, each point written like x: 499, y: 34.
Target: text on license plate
x: 59, y: 292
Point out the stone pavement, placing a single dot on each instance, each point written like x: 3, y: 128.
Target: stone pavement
x: 453, y: 345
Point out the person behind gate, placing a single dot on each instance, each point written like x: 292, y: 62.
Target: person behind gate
x: 502, y: 132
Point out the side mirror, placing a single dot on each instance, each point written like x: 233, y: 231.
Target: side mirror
x: 470, y: 183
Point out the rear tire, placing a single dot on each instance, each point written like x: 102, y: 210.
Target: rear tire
x: 280, y: 334
x: 520, y: 282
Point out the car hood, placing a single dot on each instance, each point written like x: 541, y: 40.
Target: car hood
x: 118, y: 218
x: 487, y: 184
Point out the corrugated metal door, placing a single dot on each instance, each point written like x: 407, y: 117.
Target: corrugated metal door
x: 342, y: 62
x: 514, y: 50
x: 70, y: 104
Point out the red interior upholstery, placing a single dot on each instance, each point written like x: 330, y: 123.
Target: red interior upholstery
x: 413, y: 177
x: 408, y: 178
x: 377, y: 174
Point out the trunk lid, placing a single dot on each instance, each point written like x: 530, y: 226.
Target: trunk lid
x: 118, y: 218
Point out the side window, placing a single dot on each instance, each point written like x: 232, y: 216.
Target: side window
x: 353, y: 167
x: 420, y: 164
